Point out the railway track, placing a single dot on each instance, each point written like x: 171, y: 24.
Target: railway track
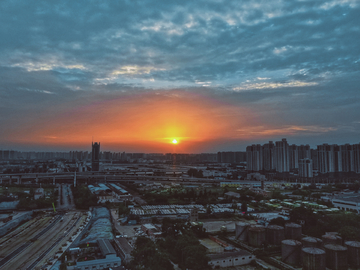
x: 32, y: 266
x: 16, y: 238
x: 13, y: 254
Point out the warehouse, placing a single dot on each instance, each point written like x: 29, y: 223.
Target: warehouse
x: 350, y: 202
x: 228, y: 259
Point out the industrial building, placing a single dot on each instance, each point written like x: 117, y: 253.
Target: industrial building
x: 109, y: 258
x: 228, y: 259
x: 349, y: 202
x: 124, y: 249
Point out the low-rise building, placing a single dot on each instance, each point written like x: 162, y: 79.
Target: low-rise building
x: 124, y: 249
x: 228, y: 259
x: 109, y: 258
x: 39, y: 193
x: 348, y: 202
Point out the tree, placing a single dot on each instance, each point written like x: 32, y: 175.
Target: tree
x: 146, y: 255
x: 278, y: 221
x: 350, y: 233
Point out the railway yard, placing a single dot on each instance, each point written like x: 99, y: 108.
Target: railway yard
x: 40, y: 241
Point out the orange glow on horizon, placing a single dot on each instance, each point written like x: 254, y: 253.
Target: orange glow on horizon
x: 148, y: 121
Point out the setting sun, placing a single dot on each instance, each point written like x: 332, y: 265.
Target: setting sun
x: 174, y: 141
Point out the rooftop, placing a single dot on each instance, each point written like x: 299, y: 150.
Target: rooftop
x: 124, y: 245
x: 106, y: 247
x: 348, y: 197
x: 224, y: 255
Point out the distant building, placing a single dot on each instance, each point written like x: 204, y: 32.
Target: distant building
x: 194, y: 214
x: 254, y: 157
x: 268, y: 156
x: 282, y: 162
x: 95, y: 157
x: 39, y: 193
x: 305, y: 167
x: 347, y: 202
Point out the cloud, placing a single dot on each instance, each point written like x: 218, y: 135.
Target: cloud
x: 296, y: 62
x: 272, y: 85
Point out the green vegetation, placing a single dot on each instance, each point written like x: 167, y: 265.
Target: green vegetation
x: 180, y: 246
x: 316, y: 224
x: 123, y: 210
x: 27, y: 201
x: 146, y: 255
x: 83, y: 198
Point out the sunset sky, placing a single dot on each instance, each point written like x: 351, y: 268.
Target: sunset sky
x: 214, y: 75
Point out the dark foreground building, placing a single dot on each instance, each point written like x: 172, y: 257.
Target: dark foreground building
x: 95, y: 157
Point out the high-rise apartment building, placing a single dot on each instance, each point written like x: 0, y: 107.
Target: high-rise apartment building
x: 268, y: 156
x: 326, y: 158
x: 282, y: 156
x: 356, y: 157
x: 304, y: 151
x: 254, y: 157
x: 95, y: 157
x: 293, y: 156
x: 305, y: 167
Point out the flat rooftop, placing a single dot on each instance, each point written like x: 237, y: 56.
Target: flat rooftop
x: 224, y: 255
x: 209, y: 244
x: 348, y: 197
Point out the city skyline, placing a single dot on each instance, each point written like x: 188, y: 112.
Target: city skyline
x: 212, y: 75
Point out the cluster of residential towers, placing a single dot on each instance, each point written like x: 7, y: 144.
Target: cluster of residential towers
x: 282, y: 157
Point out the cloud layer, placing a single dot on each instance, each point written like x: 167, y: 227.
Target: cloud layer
x: 256, y: 70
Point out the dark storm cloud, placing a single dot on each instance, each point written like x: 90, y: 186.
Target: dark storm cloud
x: 298, y: 59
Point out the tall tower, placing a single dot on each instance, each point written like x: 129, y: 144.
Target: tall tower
x: 95, y: 157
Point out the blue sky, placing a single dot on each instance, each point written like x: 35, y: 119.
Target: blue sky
x: 285, y: 68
